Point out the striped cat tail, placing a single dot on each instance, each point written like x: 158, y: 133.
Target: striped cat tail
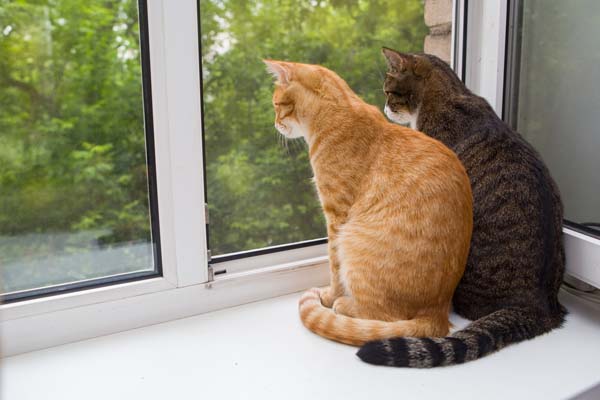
x: 355, y: 331
x: 481, y: 337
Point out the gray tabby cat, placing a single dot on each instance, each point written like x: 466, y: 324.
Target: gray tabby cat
x: 516, y: 261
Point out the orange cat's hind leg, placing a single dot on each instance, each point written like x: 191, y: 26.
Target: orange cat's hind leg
x: 345, y: 305
x: 329, y: 295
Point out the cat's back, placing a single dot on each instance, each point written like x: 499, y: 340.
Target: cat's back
x: 518, y: 255
x: 398, y: 145
x: 489, y: 147
x: 486, y: 145
x: 413, y: 183
x: 418, y: 168
x: 419, y: 152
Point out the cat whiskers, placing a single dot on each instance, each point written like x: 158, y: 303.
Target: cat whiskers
x: 291, y: 146
x: 297, y: 146
x: 282, y: 142
x: 302, y: 145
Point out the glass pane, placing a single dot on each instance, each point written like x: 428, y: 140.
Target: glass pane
x: 559, y: 97
x: 73, y: 176
x: 259, y: 189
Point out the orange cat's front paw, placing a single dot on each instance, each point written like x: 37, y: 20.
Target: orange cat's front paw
x: 327, y: 297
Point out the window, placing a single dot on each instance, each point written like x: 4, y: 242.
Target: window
x: 551, y: 97
x: 556, y: 97
x: 78, y: 201
x: 259, y: 189
x: 261, y: 201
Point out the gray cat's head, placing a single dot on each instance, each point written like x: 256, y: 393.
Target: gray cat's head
x: 410, y: 78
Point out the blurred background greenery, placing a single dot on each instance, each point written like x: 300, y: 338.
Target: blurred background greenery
x: 259, y: 191
x: 73, y: 175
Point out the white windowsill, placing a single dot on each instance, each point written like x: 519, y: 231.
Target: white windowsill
x: 261, y: 350
x: 100, y: 316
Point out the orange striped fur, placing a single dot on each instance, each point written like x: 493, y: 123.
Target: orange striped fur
x: 398, y: 207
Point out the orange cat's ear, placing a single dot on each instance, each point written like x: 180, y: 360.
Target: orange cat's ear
x: 280, y: 70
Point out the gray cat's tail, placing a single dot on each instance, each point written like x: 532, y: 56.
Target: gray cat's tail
x: 481, y: 337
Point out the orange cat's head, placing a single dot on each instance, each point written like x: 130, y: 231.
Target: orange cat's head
x: 302, y: 92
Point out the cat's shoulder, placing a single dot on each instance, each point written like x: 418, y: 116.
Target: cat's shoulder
x: 491, y: 148
x: 471, y: 104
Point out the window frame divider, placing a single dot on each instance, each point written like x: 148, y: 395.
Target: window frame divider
x: 485, y: 50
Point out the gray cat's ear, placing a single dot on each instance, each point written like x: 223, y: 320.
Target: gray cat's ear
x: 421, y: 66
x: 280, y: 70
x: 397, y: 62
x: 410, y: 64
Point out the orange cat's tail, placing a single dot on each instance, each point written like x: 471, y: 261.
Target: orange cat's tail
x: 325, y: 322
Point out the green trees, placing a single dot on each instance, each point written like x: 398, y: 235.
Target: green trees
x: 260, y: 192
x: 72, y: 156
x: 71, y: 129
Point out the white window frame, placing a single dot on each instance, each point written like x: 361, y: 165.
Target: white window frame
x: 486, y: 42
x: 185, y: 288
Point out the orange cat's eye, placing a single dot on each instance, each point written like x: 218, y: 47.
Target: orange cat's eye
x: 281, y: 104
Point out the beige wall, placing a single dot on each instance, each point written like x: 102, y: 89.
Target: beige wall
x: 438, y: 17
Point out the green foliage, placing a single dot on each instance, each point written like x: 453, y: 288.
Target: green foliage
x: 72, y: 150
x: 259, y: 193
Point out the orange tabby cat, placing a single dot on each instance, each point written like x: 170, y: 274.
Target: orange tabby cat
x: 398, y: 208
